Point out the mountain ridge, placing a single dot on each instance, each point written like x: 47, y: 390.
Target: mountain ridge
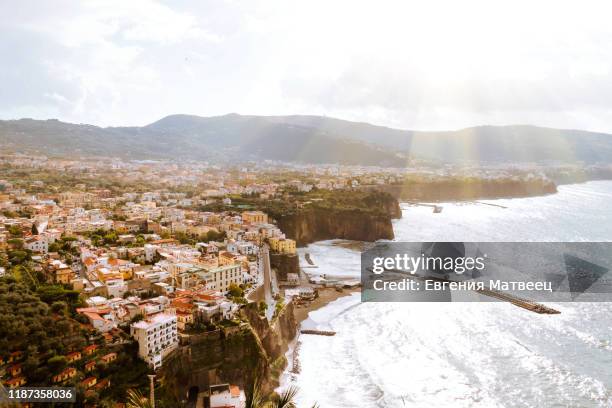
x: 304, y: 139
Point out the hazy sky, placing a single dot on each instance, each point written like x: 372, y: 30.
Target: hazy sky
x: 410, y: 64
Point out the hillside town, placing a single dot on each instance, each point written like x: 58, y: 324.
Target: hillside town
x: 141, y: 267
x: 127, y: 260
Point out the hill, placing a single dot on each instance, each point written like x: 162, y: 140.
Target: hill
x: 304, y: 139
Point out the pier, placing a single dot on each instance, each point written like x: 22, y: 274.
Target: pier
x: 318, y: 332
x: 309, y: 260
x: 520, y: 302
x: 506, y: 297
x: 491, y: 204
x: 436, y: 208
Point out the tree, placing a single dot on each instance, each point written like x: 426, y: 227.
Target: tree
x: 138, y: 317
x: 262, y: 306
x: 34, y: 229
x: 56, y: 363
x: 59, y: 307
x: 286, y: 399
x: 15, y: 231
x: 235, y: 291
x: 15, y: 243
x: 137, y: 400
x: 255, y: 398
x: 19, y: 257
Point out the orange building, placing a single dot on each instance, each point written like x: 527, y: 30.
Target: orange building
x: 67, y: 374
x: 74, y: 356
x: 89, y: 350
x: 16, y: 382
x: 110, y: 357
x: 90, y: 366
x: 89, y: 382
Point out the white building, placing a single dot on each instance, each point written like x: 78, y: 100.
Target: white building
x: 37, y: 244
x: 226, y: 396
x: 157, y: 336
x: 220, y: 279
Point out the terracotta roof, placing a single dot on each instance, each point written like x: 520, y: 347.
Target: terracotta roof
x: 164, y: 241
x: 93, y: 316
x: 88, y: 380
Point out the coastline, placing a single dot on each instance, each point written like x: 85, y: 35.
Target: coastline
x: 326, y: 296
x: 314, y: 362
x: 292, y: 365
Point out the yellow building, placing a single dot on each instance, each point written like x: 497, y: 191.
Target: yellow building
x: 255, y: 217
x: 60, y: 272
x: 283, y: 246
x: 226, y: 258
x: 105, y: 274
x: 64, y: 275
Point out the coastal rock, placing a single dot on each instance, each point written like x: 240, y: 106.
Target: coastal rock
x: 317, y: 224
x: 236, y: 354
x: 285, y: 264
x: 452, y: 190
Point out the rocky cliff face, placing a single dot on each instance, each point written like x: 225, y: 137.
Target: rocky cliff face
x: 452, y: 190
x: 285, y: 264
x: 317, y: 225
x: 371, y: 223
x: 274, y: 336
x: 236, y: 355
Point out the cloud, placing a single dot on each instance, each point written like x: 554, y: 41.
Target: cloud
x: 92, y: 61
x: 411, y: 64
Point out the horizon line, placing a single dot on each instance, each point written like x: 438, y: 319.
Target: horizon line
x: 312, y: 115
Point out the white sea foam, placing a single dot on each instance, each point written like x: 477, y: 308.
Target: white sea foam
x: 465, y: 354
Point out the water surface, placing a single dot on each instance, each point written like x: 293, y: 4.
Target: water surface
x: 465, y: 354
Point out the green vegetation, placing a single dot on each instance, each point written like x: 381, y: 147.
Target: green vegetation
x: 236, y: 293
x: 211, y: 235
x: 256, y: 399
x: 280, y: 304
x: 29, y: 324
x: 15, y: 231
x: 292, y: 201
x: 262, y: 307
x: 37, y: 321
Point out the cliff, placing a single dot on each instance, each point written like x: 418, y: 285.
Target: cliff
x: 453, y: 190
x: 236, y: 354
x: 312, y: 225
x: 284, y: 264
x: 354, y: 215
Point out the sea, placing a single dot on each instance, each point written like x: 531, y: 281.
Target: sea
x: 489, y: 354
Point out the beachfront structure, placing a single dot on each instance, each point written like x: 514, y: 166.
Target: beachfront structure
x: 226, y: 396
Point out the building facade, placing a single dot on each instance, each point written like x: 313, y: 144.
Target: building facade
x: 157, y: 336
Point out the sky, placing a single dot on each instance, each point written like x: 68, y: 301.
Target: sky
x: 406, y: 64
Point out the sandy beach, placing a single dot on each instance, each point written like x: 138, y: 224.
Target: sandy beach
x: 326, y: 295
